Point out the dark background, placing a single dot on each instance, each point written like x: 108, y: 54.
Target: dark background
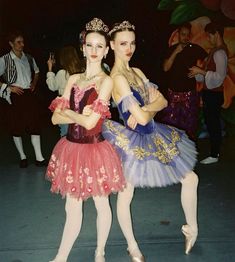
x: 50, y: 24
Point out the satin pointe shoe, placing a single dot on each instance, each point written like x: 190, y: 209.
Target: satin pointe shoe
x: 99, y: 257
x: 136, y: 255
x: 190, y: 238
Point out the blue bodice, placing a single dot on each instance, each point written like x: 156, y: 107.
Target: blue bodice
x: 148, y: 128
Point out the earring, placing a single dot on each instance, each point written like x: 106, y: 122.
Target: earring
x: 84, y: 55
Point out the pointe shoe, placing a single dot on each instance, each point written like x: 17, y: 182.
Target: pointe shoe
x: 136, y: 255
x: 99, y: 257
x: 190, y: 238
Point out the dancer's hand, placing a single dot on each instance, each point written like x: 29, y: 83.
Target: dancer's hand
x: 32, y: 87
x: 131, y: 122
x: 17, y: 90
x: 87, y: 110
x: 195, y: 70
x: 153, y: 94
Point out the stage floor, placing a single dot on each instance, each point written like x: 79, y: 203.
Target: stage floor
x: 32, y: 219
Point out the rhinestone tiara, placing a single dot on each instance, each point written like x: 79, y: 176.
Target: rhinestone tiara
x: 97, y: 24
x: 123, y: 25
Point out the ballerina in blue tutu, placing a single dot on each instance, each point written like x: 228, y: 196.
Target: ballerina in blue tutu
x: 153, y: 154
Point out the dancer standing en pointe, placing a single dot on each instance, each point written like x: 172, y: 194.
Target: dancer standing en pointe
x: 153, y: 154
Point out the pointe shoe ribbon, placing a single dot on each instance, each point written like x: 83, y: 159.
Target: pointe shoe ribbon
x: 190, y: 238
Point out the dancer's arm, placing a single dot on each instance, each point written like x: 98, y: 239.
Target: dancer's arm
x: 59, y: 116
x: 90, y: 121
x: 122, y: 89
x: 156, y: 100
x: 168, y: 62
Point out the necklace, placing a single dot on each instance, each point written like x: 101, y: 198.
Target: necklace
x: 84, y: 78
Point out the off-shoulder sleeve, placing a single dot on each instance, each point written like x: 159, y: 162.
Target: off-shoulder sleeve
x: 149, y: 84
x: 101, y: 107
x: 59, y: 102
x: 128, y: 101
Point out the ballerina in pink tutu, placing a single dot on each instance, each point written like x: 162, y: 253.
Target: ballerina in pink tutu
x: 83, y: 164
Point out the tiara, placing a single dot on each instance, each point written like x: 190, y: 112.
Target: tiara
x: 97, y: 24
x: 123, y: 25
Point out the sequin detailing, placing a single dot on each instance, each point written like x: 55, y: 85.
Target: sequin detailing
x: 164, y: 151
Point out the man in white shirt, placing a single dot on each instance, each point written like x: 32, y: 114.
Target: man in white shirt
x: 213, y: 75
x: 20, y: 75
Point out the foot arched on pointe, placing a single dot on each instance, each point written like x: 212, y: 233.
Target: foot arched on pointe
x: 190, y: 238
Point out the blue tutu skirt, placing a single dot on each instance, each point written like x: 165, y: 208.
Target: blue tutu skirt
x: 161, y: 158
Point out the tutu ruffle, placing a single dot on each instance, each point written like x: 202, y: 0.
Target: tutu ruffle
x: 160, y: 158
x: 85, y: 170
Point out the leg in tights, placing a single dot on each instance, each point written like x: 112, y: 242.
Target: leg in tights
x: 124, y: 218
x: 18, y: 143
x: 72, y: 228
x: 189, y: 199
x: 35, y: 140
x: 103, y: 222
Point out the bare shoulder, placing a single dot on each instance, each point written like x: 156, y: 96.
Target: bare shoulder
x: 107, y: 79
x: 74, y: 78
x: 106, y: 83
x: 139, y: 72
x: 118, y: 77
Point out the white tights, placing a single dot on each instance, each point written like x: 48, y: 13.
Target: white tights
x: 188, y: 201
x: 35, y: 140
x: 73, y: 223
x: 124, y: 215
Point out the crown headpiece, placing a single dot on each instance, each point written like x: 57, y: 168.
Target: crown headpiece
x: 97, y: 24
x: 123, y: 25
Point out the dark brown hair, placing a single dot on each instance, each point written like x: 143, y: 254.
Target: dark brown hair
x: 69, y: 60
x: 185, y: 25
x: 214, y: 27
x: 13, y: 35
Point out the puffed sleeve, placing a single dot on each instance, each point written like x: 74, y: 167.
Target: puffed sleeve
x: 101, y: 107
x: 128, y: 101
x: 149, y: 84
x: 59, y: 102
x: 216, y: 78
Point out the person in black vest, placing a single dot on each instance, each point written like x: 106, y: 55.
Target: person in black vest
x: 213, y: 75
x: 182, y: 96
x: 20, y: 75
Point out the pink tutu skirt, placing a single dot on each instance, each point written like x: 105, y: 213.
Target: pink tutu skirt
x: 85, y: 170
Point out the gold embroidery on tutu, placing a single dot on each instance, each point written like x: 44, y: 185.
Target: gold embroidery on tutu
x: 165, y: 151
